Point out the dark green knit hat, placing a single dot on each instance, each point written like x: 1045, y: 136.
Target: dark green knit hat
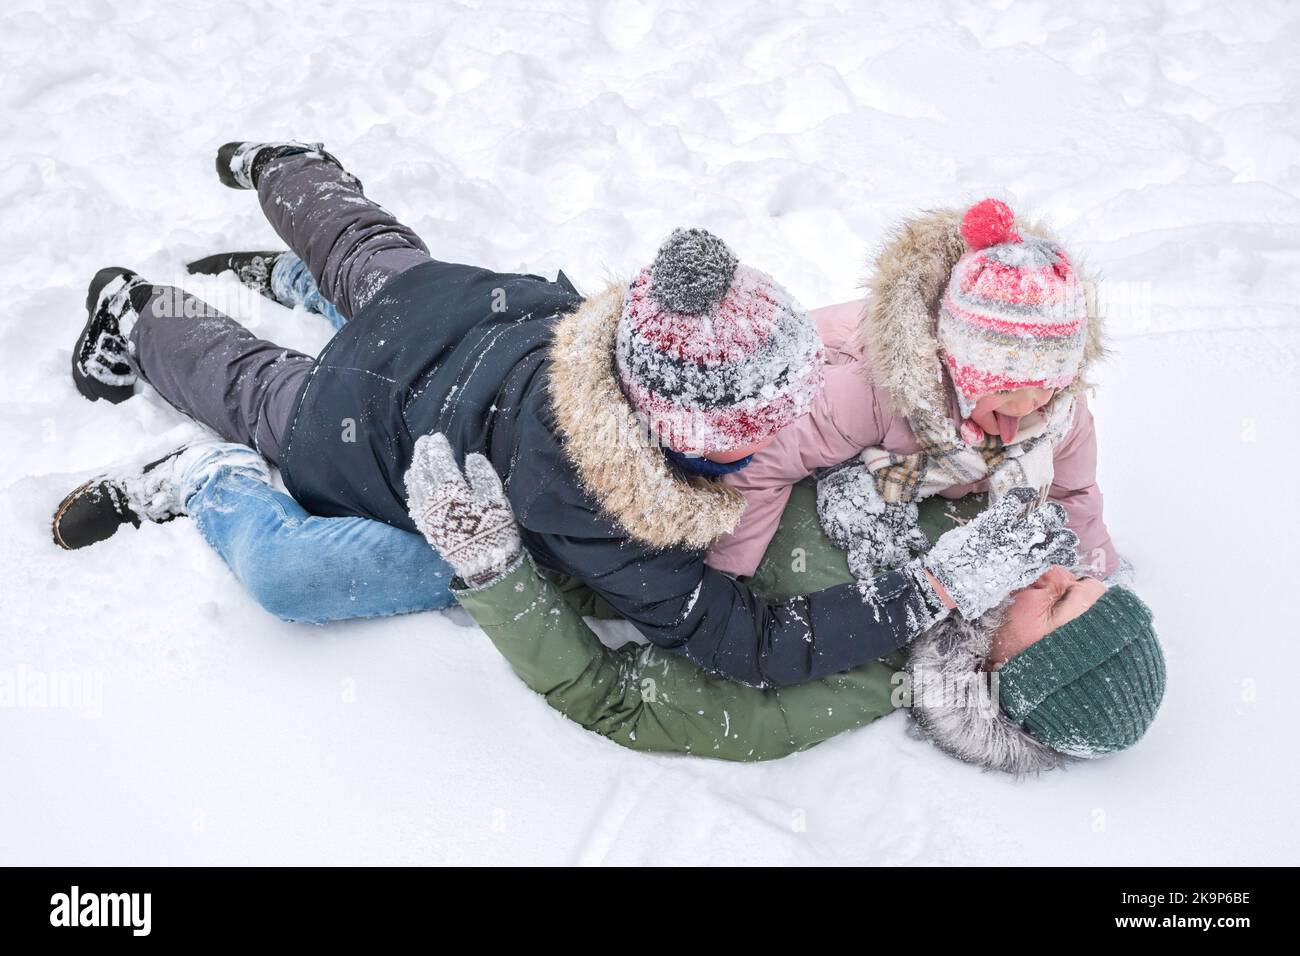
x: 1093, y: 685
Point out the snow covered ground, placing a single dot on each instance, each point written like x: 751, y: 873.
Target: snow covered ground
x: 1162, y: 138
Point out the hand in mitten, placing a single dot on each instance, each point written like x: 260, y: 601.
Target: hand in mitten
x: 1000, y: 551
x: 878, y: 535
x: 465, y: 517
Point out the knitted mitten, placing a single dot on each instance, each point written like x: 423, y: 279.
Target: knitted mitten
x: 1000, y: 551
x: 466, y: 517
x: 878, y: 535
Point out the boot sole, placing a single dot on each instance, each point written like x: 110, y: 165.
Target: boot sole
x: 61, y: 510
x: 92, y: 388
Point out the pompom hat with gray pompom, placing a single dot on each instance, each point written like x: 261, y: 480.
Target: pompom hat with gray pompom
x: 715, y: 355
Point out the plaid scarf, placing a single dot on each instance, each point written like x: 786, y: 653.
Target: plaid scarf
x: 946, y: 460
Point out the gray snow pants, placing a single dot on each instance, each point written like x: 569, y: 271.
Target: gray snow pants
x: 216, y: 371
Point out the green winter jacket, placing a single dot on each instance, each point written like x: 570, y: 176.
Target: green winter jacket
x: 645, y: 698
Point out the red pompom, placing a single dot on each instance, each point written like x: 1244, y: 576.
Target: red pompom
x: 988, y: 223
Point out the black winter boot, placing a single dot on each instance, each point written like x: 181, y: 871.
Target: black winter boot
x: 157, y: 491
x: 101, y: 366
x: 240, y: 165
x: 94, y: 511
x: 252, y: 268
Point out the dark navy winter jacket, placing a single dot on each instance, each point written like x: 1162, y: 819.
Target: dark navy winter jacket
x: 464, y: 351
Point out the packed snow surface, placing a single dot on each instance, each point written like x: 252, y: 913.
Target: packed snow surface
x: 1159, y: 139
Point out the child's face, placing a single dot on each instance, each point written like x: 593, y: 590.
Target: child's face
x: 1054, y: 599
x: 999, y: 413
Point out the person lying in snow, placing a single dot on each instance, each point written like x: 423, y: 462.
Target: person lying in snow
x: 1079, y: 672
x: 956, y: 299
x: 963, y: 370
x: 549, y: 387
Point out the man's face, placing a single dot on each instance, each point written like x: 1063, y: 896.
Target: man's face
x: 999, y: 413
x: 1055, y: 598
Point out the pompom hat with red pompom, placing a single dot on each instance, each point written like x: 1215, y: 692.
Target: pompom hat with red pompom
x: 1014, y: 314
x: 714, y: 354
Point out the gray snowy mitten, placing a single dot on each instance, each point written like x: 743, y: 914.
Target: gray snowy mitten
x: 877, y: 534
x: 1000, y: 551
x: 466, y: 517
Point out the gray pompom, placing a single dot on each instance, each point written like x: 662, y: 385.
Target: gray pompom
x: 692, y: 271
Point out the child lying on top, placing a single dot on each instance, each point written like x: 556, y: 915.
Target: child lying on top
x: 962, y: 372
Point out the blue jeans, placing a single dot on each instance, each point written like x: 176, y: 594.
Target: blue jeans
x: 292, y: 284
x: 301, y: 567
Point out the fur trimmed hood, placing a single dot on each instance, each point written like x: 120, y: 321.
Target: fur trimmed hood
x: 899, y: 327
x: 619, y: 467
x: 954, y: 707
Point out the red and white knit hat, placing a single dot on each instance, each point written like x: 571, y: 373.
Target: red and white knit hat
x: 1014, y: 314
x: 714, y: 354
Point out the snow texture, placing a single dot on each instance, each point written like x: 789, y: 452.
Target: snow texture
x: 1160, y: 140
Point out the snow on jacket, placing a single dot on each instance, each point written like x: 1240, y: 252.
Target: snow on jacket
x: 521, y: 370
x: 883, y: 364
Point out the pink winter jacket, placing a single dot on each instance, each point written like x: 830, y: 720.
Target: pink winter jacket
x: 853, y: 413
